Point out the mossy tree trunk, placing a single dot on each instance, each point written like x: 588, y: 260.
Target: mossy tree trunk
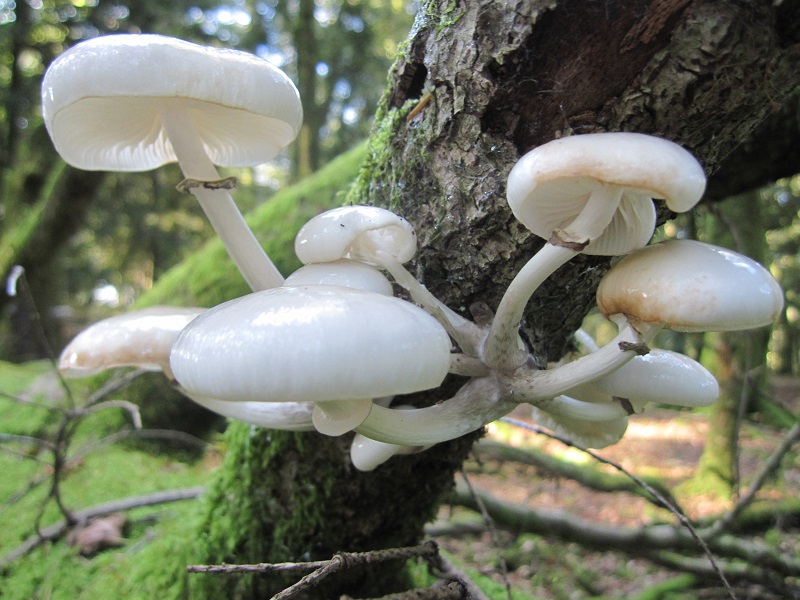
x: 739, y: 359
x: 491, y: 80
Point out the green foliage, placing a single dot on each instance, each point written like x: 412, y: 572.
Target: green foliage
x: 152, y: 562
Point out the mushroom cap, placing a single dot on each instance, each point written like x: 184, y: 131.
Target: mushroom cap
x: 691, y: 286
x: 311, y: 343
x: 102, y: 98
x: 287, y: 416
x: 141, y: 339
x: 355, y: 232
x: 589, y: 434
x: 663, y: 377
x: 344, y: 273
x: 549, y: 186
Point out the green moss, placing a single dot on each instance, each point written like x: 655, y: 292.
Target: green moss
x: 378, y: 157
x: 257, y: 512
x: 150, y: 565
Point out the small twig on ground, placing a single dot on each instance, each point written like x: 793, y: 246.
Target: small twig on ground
x: 501, y: 561
x: 321, y: 569
x: 56, y: 530
x: 664, y: 502
x: 451, y: 591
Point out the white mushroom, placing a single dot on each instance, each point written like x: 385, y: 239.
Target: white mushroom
x: 589, y: 433
x: 320, y: 343
x: 144, y: 339
x: 136, y: 102
x: 287, y: 416
x: 591, y: 194
x: 141, y: 339
x: 343, y: 272
x: 687, y: 285
x: 681, y: 284
x: 379, y: 237
x: 661, y: 377
x: 367, y: 454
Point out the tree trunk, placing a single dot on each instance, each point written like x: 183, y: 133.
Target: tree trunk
x: 491, y: 80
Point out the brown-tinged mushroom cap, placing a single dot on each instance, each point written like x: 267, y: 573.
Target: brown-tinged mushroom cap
x: 691, y: 286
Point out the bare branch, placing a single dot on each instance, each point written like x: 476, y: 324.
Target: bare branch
x: 321, y: 569
x: 632, y: 540
x: 675, y: 510
x: 767, y: 470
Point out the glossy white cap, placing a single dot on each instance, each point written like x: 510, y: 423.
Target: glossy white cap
x: 355, y: 232
x: 141, y: 338
x: 662, y: 377
x: 311, y: 343
x: 102, y: 99
x: 691, y: 286
x: 550, y: 185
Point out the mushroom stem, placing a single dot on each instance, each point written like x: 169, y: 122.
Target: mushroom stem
x: 502, y: 350
x: 242, y: 246
x: 337, y: 417
x: 466, y: 334
x: 596, y: 215
x: 572, y: 408
x: 478, y: 402
x: 538, y: 387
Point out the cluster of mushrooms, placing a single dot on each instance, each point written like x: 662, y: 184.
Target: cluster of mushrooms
x: 330, y: 347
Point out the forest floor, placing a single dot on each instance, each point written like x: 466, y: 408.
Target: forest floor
x: 662, y: 444
x: 657, y: 443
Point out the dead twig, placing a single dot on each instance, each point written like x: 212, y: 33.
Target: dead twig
x: 663, y: 501
x: 321, y: 569
x: 769, y: 468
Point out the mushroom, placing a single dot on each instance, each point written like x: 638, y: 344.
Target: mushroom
x: 589, y: 433
x: 144, y: 339
x: 141, y: 339
x: 661, y: 377
x: 320, y: 343
x: 591, y: 194
x: 343, y: 272
x: 287, y: 416
x: 136, y: 102
x: 379, y: 237
x: 680, y: 284
x: 367, y: 454
x: 688, y: 285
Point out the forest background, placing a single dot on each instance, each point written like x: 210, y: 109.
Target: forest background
x: 94, y: 244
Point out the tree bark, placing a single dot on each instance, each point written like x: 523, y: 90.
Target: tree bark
x: 496, y: 79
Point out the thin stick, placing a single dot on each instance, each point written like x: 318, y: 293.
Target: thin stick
x: 487, y: 518
x: 346, y: 560
x: 664, y: 502
x: 767, y: 470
